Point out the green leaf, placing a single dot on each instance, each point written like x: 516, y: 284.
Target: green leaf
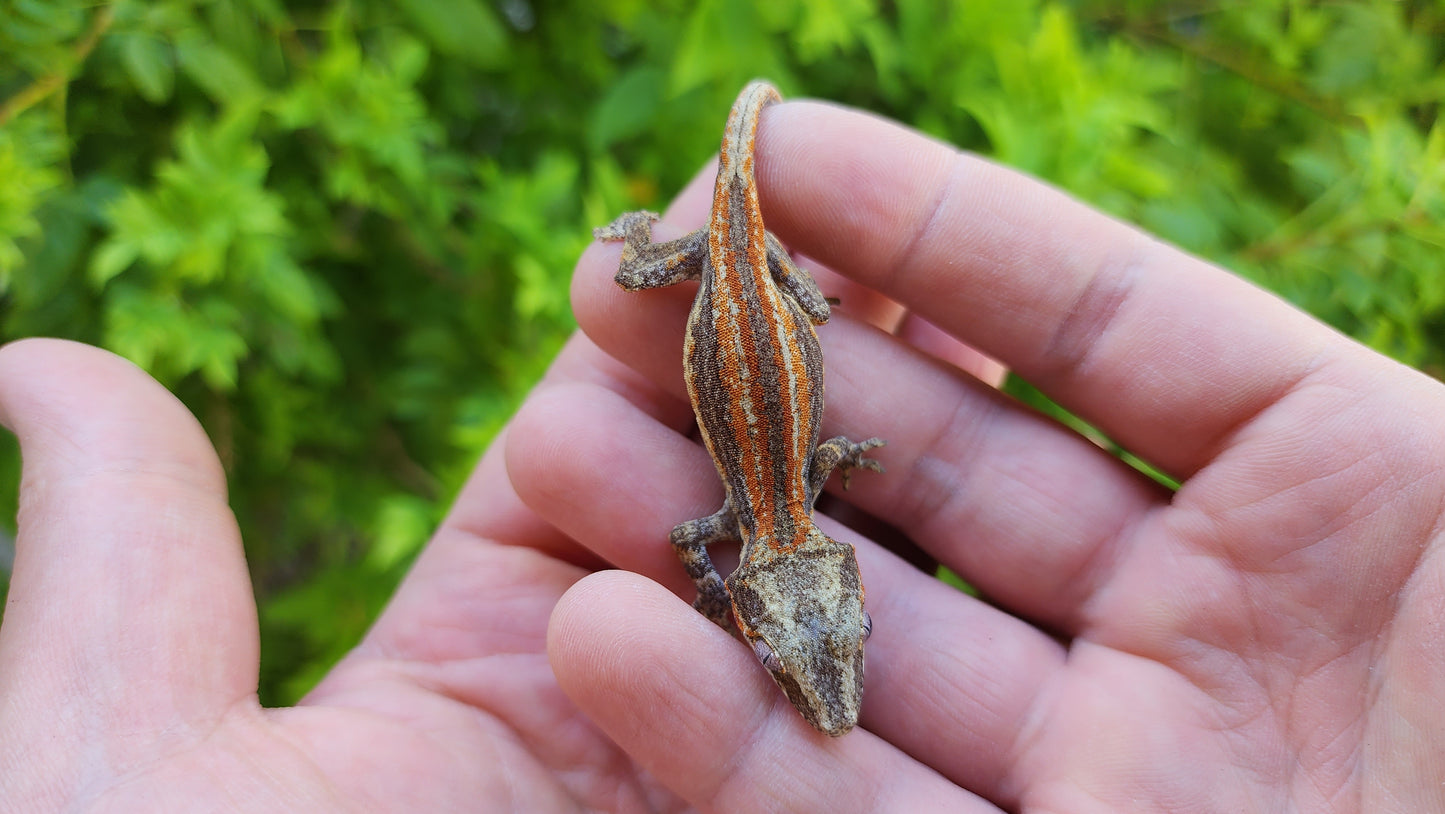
x: 219, y: 73
x: 401, y: 526
x: 110, y: 259
x: 464, y: 29
x: 627, y: 108
x: 826, y: 27
x: 149, y: 65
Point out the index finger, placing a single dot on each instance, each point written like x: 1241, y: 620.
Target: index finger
x: 1161, y: 350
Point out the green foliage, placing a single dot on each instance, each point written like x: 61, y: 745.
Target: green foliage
x: 342, y: 233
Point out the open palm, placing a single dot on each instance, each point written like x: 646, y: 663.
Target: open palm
x: 1268, y: 637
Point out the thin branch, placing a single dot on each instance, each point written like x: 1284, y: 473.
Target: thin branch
x: 1254, y: 72
x: 43, y: 87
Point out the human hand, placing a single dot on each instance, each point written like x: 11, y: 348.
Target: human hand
x: 129, y: 653
x: 1268, y: 637
x: 1194, y: 678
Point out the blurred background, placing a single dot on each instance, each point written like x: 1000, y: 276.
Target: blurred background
x: 342, y: 232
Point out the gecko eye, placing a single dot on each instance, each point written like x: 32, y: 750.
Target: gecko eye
x: 765, y: 654
x: 867, y: 626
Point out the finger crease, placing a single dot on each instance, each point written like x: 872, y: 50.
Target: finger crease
x: 1093, y: 313
x: 920, y: 237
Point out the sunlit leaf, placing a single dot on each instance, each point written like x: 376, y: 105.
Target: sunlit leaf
x: 148, y: 62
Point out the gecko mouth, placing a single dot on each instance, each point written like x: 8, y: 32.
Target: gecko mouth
x: 827, y: 694
x: 814, y: 652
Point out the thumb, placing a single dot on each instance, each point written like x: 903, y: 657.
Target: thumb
x: 130, y: 609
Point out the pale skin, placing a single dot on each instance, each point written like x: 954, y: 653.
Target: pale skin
x: 1270, y: 638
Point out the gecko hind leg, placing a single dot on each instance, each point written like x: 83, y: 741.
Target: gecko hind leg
x: 690, y: 540
x: 841, y: 454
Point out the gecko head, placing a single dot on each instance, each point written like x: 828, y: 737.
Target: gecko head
x: 803, y: 615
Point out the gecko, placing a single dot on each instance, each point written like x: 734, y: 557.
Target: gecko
x: 754, y: 374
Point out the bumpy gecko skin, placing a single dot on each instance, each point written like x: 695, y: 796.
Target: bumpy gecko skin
x: 754, y: 372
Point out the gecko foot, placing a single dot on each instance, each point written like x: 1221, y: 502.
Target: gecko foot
x: 627, y: 223
x: 712, y: 601
x: 844, y: 455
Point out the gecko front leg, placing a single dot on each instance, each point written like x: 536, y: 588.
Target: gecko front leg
x: 841, y: 454
x: 690, y: 540
x: 653, y: 265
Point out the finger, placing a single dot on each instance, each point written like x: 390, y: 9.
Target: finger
x: 1028, y: 511
x: 932, y: 340
x: 1164, y: 352
x: 130, y: 603
x: 947, y: 676
x: 702, y: 717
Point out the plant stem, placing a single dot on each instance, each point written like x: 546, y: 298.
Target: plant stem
x: 41, y: 88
